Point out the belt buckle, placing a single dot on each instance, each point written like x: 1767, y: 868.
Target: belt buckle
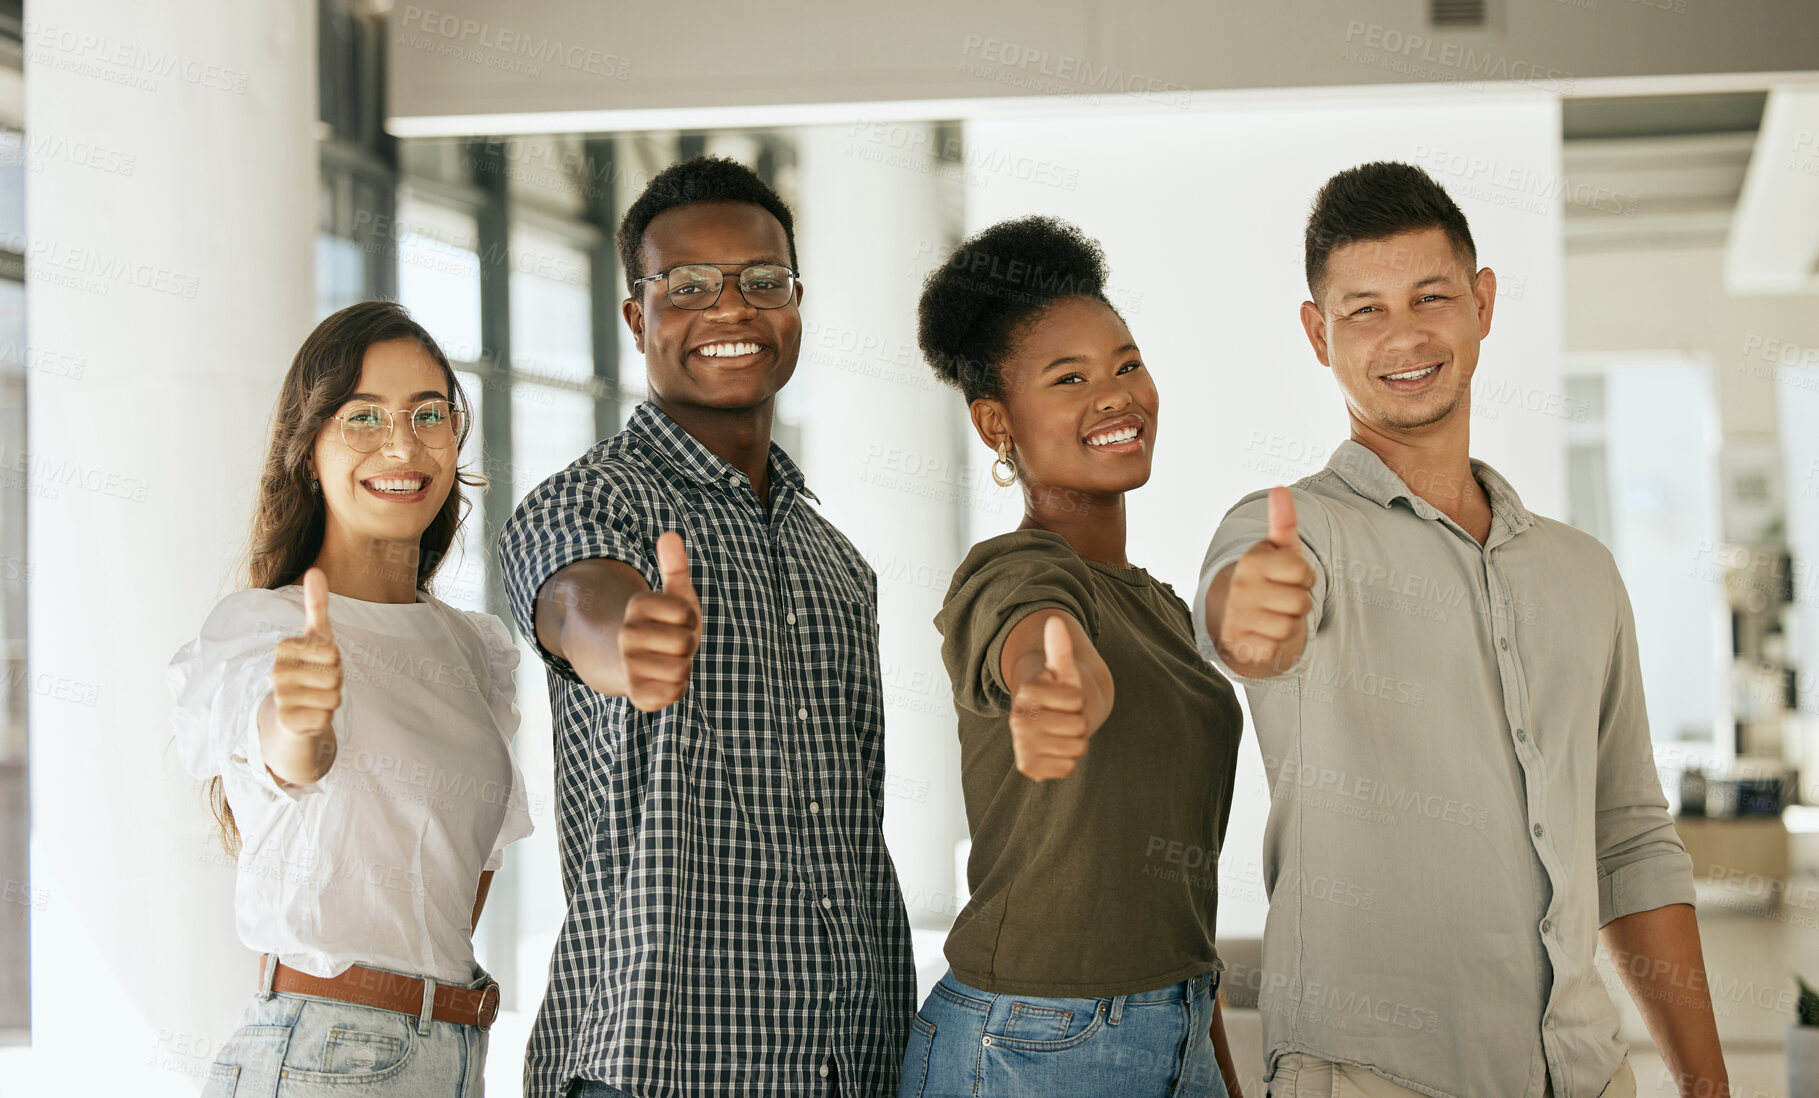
x: 489, y: 1006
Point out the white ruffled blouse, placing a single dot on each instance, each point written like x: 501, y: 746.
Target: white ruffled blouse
x: 378, y: 862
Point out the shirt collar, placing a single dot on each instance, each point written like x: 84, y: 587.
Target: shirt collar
x: 698, y: 463
x: 1360, y: 467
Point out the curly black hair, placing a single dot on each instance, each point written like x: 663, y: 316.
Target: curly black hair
x: 1376, y: 201
x: 700, y: 179
x: 974, y: 306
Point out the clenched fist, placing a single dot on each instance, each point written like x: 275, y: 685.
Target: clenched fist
x: 1263, y: 628
x: 660, y: 632
x: 1049, y: 727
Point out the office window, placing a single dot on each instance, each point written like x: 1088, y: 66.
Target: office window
x: 13, y: 155
x: 461, y: 582
x: 340, y: 264
x: 439, y: 274
x: 551, y: 307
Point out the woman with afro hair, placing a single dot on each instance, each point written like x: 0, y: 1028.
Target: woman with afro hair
x: 1097, y: 746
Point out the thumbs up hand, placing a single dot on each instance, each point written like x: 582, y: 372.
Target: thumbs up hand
x: 660, y: 632
x: 306, y: 672
x: 1267, y: 600
x: 1049, y: 728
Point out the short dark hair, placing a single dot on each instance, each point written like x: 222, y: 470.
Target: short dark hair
x: 1378, y: 200
x: 700, y: 179
x: 974, y: 305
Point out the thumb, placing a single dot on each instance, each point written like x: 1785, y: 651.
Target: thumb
x: 315, y: 604
x: 1058, y: 651
x: 672, y: 564
x: 1282, y: 518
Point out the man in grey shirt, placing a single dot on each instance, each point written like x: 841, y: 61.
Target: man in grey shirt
x: 1446, y: 690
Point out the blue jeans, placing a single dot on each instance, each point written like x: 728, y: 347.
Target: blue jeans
x: 975, y: 1043
x: 291, y: 1046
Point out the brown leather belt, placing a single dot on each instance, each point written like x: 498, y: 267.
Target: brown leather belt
x: 372, y: 987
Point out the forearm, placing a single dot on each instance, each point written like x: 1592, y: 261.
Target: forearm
x: 1222, y: 1051
x: 486, y: 885
x: 1657, y: 952
x: 293, y: 758
x: 579, y: 613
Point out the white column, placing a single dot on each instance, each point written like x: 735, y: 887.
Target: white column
x: 175, y: 265
x: 881, y: 447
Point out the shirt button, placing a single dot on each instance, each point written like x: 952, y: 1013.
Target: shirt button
x: 833, y: 996
x: 1546, y: 926
x: 827, y: 901
x: 791, y: 617
x: 1521, y: 734
x: 802, y: 714
x: 1503, y: 643
x: 814, y: 808
x: 1537, y: 831
x: 824, y: 1071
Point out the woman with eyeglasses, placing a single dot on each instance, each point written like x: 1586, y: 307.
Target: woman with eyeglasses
x: 1097, y: 746
x: 355, y: 732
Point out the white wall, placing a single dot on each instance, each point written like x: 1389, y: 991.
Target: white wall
x: 183, y: 286
x: 1245, y: 404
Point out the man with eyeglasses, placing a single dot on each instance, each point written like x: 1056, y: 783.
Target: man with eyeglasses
x: 735, y: 925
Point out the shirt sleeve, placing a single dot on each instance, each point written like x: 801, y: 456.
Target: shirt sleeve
x: 217, y: 682
x: 995, y: 587
x: 1245, y: 525
x: 578, y: 514
x: 502, y: 693
x: 1642, y: 863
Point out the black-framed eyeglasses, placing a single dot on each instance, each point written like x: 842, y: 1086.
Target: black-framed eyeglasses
x: 368, y: 427
x: 698, y: 285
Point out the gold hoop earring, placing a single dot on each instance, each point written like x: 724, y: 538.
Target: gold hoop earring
x: 1004, y: 458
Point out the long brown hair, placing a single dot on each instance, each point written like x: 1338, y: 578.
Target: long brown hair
x: 289, y: 519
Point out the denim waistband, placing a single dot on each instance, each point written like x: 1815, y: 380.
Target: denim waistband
x: 1203, y: 984
x: 1194, y: 985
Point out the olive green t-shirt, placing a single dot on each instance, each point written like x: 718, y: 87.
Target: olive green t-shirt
x: 1104, y: 882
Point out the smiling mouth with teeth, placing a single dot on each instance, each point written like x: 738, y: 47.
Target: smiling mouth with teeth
x: 398, y: 486
x: 1412, y: 375
x: 728, y: 350
x: 1123, y: 434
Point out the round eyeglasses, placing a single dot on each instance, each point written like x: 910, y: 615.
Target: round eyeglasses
x: 367, y: 427
x: 698, y: 285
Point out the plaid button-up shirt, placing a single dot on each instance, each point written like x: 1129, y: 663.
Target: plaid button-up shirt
x: 734, y: 921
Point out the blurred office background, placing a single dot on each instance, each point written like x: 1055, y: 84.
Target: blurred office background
x: 186, y: 188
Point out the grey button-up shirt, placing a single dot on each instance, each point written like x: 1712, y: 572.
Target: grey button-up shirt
x: 1462, y: 791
